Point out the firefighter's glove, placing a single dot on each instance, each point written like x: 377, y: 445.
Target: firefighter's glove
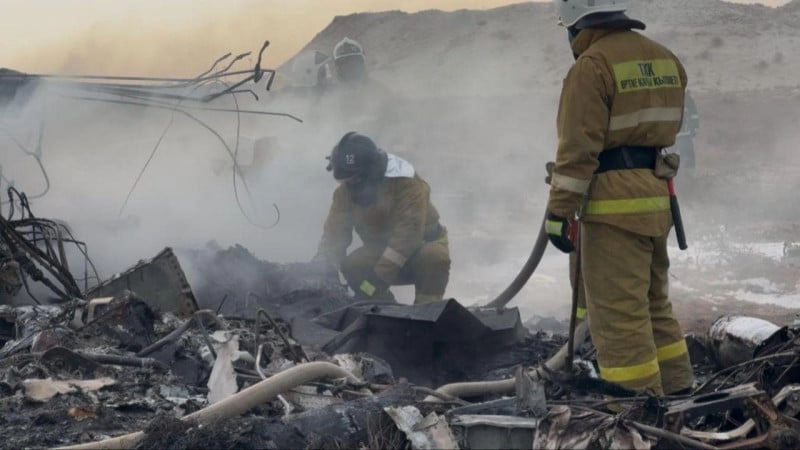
x: 373, y: 285
x: 561, y: 232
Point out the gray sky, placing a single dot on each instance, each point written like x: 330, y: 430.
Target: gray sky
x: 176, y: 37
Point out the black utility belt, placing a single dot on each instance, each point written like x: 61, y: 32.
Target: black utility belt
x: 627, y: 157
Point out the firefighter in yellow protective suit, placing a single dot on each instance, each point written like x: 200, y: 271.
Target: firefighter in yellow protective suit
x: 621, y: 103
x: 383, y: 199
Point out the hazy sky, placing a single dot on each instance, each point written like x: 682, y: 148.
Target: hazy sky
x: 176, y: 37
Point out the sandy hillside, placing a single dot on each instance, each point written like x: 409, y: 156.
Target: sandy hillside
x: 519, y: 48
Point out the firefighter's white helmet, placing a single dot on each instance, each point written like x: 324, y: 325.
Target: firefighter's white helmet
x: 347, y: 47
x: 571, y: 11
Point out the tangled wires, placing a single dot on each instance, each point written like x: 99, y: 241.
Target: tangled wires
x: 36, y: 247
x: 177, y: 95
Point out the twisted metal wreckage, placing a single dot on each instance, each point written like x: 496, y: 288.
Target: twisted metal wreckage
x: 32, y: 247
x: 263, y: 355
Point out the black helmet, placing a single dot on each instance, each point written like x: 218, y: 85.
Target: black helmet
x: 357, y: 156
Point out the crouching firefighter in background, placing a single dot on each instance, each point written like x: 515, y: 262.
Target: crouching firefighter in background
x: 388, y: 204
x: 621, y: 104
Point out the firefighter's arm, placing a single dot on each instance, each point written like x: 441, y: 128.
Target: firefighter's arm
x: 583, y: 117
x: 337, y: 233
x: 408, y: 223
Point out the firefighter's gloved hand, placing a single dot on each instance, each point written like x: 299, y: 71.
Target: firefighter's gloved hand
x: 373, y: 285
x: 561, y: 232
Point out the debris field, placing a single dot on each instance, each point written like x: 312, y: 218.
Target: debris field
x: 296, y: 363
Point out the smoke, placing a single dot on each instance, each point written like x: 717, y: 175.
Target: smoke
x: 465, y: 97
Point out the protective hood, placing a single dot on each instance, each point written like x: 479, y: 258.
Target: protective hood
x: 397, y: 167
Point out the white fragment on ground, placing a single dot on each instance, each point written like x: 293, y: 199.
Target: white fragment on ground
x: 348, y: 362
x: 42, y: 390
x: 747, y: 329
x: 222, y: 381
x: 430, y: 432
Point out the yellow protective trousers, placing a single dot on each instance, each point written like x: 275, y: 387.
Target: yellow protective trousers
x: 639, y: 343
x: 428, y: 269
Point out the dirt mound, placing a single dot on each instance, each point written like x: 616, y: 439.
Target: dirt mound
x: 725, y: 46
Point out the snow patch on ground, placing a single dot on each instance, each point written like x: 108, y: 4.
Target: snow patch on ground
x: 783, y: 300
x: 722, y: 263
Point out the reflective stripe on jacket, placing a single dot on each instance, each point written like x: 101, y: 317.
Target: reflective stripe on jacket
x: 623, y: 90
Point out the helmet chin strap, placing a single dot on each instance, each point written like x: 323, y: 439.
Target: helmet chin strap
x: 572, y: 33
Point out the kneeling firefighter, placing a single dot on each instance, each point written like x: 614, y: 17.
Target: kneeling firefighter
x: 621, y: 104
x: 381, y: 197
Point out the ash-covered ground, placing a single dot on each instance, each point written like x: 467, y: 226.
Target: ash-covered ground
x: 470, y: 98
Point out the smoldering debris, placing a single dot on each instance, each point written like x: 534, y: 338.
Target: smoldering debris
x: 234, y: 282
x: 289, y: 360
x: 256, y: 354
x: 216, y: 347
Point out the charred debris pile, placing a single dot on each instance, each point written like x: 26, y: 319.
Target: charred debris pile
x: 262, y: 355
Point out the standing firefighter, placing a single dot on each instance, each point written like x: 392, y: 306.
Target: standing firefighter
x: 349, y: 62
x: 389, y: 206
x: 621, y: 103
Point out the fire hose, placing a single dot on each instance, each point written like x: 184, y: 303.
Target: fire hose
x: 239, y: 403
x: 535, y: 258
x: 577, y: 332
x: 525, y: 273
x: 540, y: 246
x: 531, y: 264
x: 556, y: 362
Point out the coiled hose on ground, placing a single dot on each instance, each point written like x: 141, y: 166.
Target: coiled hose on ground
x: 239, y: 403
x: 471, y: 389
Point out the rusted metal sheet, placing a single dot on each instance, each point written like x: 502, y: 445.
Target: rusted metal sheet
x: 745, y: 401
x: 160, y: 282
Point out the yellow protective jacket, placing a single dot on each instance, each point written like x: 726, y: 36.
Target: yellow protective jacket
x: 399, y: 221
x: 623, y: 90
